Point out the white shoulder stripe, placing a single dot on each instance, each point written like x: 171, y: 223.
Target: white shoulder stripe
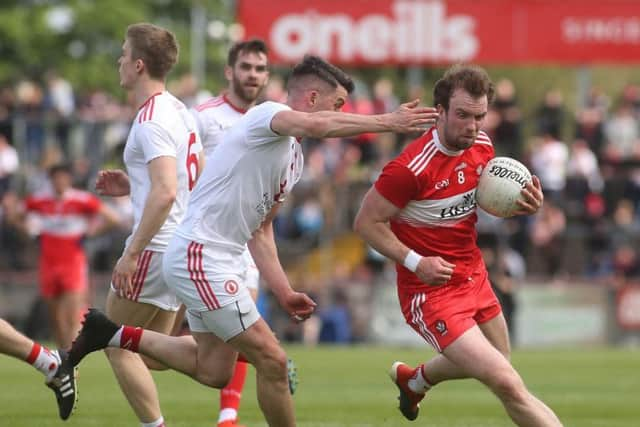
x: 415, y: 159
x: 417, y: 170
x: 483, y: 142
x: 418, y: 164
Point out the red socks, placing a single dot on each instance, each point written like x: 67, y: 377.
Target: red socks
x: 230, y: 395
x: 130, y: 338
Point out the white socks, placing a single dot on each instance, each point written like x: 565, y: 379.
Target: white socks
x: 227, y: 414
x: 157, y: 423
x: 44, y: 360
x: 418, y: 383
x: 115, y: 342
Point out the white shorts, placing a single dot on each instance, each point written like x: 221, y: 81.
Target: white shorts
x: 252, y: 275
x: 225, y: 322
x: 149, y: 285
x: 203, y: 278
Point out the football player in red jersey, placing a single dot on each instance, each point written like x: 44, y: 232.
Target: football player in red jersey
x: 421, y: 213
x: 62, y: 217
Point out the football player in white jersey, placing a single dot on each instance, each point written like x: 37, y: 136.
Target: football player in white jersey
x: 162, y: 156
x: 233, y: 204
x: 247, y: 74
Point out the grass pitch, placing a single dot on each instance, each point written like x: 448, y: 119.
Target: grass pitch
x: 348, y: 386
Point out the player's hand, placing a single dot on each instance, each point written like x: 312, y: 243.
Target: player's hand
x: 113, y: 182
x: 433, y: 270
x: 122, y: 276
x: 299, y: 306
x: 533, y: 198
x: 410, y: 118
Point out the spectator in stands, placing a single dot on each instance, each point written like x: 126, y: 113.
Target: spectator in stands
x: 622, y: 135
x: 549, y: 159
x: 547, y: 233
x: 549, y: 116
x: 60, y: 102
x: 507, y: 133
x: 8, y: 164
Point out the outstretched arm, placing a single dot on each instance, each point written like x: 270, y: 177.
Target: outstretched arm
x: 407, y: 118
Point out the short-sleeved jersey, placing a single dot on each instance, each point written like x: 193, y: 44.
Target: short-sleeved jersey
x: 62, y: 222
x: 162, y: 127
x: 435, y: 189
x: 213, y: 118
x: 251, y: 170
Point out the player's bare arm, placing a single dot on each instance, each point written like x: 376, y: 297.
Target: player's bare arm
x: 372, y: 223
x: 265, y: 254
x: 108, y: 219
x: 164, y: 182
x: 112, y: 182
x: 533, y: 197
x: 407, y: 118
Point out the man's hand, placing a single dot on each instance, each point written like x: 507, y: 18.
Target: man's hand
x: 123, y: 272
x: 410, y: 118
x: 433, y: 270
x: 299, y: 306
x: 112, y: 183
x: 533, y: 198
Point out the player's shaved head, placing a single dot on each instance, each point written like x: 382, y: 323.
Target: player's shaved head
x: 314, y: 69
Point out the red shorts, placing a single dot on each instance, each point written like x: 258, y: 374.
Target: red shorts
x: 442, y: 314
x: 61, y: 278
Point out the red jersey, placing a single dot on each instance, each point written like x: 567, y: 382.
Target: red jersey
x: 435, y: 189
x: 63, y: 222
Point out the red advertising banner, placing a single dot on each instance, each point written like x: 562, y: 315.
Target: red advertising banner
x: 628, y: 307
x: 402, y: 32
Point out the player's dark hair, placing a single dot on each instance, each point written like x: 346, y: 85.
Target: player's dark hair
x: 156, y: 46
x: 471, y: 78
x: 313, y: 65
x: 60, y: 167
x: 253, y: 45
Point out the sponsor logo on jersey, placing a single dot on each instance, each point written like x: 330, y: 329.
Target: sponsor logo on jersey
x: 231, y: 286
x: 442, y: 184
x: 461, y: 166
x: 465, y: 205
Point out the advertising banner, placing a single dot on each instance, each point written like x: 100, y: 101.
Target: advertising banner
x: 414, y: 32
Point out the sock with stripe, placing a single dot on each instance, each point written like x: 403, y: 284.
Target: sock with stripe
x: 419, y: 383
x: 127, y: 338
x: 157, y: 423
x: 230, y: 395
x: 44, y: 360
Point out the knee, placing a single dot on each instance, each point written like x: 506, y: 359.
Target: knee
x: 509, y: 387
x: 273, y: 363
x: 214, y: 377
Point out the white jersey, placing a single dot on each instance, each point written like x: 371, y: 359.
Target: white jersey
x: 162, y: 127
x: 213, y: 118
x: 251, y: 170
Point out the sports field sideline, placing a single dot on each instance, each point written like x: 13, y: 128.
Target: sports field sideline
x: 348, y: 386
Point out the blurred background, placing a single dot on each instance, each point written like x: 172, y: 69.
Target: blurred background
x: 567, y: 105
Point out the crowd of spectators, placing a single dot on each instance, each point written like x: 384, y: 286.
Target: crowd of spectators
x: 588, y: 162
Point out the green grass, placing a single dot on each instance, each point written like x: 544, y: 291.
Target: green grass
x: 349, y: 387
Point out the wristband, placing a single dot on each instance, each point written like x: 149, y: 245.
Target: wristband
x: 412, y: 260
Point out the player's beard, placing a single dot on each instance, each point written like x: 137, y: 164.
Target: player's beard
x: 455, y: 142
x: 247, y: 94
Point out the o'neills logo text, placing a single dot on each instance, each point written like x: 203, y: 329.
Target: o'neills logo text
x: 502, y: 172
x: 415, y: 31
